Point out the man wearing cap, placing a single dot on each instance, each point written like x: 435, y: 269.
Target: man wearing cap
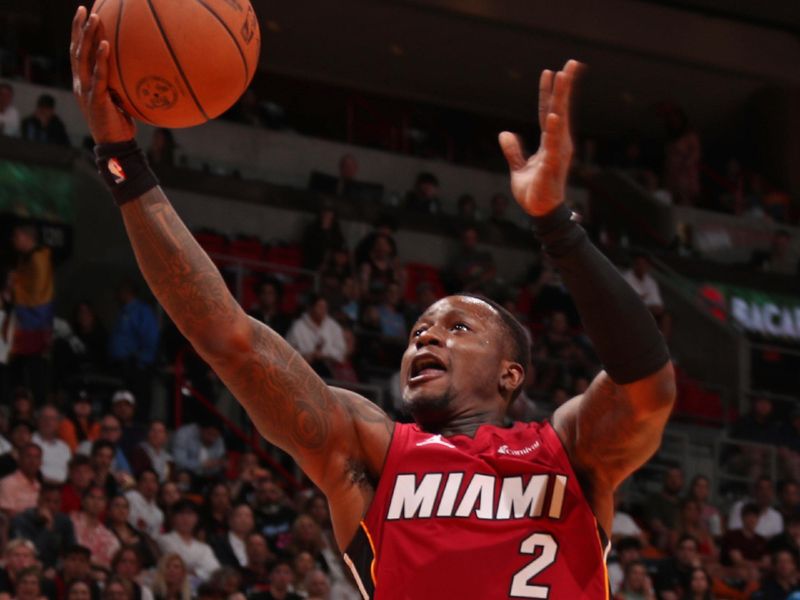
x: 198, y: 556
x: 123, y: 406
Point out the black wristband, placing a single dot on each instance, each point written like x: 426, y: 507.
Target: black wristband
x: 124, y: 168
x: 558, y: 230
x: 620, y: 326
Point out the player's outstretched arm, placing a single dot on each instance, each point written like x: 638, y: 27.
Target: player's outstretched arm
x: 336, y: 436
x: 617, y: 424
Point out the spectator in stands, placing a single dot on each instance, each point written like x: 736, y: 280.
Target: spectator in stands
x: 690, y: 522
x: 44, y: 125
x: 499, y: 211
x: 779, y: 258
x: 199, y: 448
x: 124, y: 528
x: 55, y: 453
x: 759, y: 426
x: 274, y: 515
x: 46, y: 526
x: 9, y: 115
x: 79, y: 425
x: 623, y: 525
x: 22, y: 404
x: 770, y: 521
x: 393, y: 324
x: 674, y: 574
x: 662, y: 508
x: 80, y: 589
x: 471, y: 269
x: 467, y: 211
x: 20, y: 554
x: 161, y: 152
x: 640, y: 279
x: 32, y: 290
x: 627, y: 550
x: 700, y: 491
x: 111, y: 432
x: 259, y: 557
x: 782, y: 581
x: 76, y: 566
x: 744, y: 546
x: 106, y: 475
x: 789, y: 446
x: 322, y: 237
x: 20, y: 435
x: 249, y: 110
x: 383, y: 226
x: 89, y: 529
x: 198, y: 557
x: 269, y: 296
x: 344, y: 185
x: 249, y: 471
x: 424, y: 198
x: 379, y: 269
x: 19, y: 491
x: 29, y: 584
x: 80, y: 476
x: 144, y: 511
x: 700, y: 586
x: 133, y: 344
x: 318, y: 337
x: 788, y: 499
x: 349, y: 301
x: 281, y: 578
x: 215, y: 512
x: 231, y: 548
x: 637, y: 584
x: 171, y: 581
x: 127, y: 566
x: 682, y: 157
x: 123, y: 406
x: 152, y: 453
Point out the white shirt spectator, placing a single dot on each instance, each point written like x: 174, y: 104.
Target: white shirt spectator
x: 624, y: 526
x: 770, y: 521
x: 55, y: 456
x: 5, y: 446
x: 9, y: 122
x: 199, y: 558
x: 307, y: 337
x: 238, y: 547
x: 647, y: 288
x: 144, y: 515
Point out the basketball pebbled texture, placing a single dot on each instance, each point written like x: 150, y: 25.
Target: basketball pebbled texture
x: 179, y: 63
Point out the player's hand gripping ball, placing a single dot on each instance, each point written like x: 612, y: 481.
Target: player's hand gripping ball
x: 178, y: 63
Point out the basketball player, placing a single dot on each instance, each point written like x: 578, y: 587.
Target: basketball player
x: 455, y: 505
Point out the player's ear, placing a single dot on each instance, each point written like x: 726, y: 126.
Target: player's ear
x: 512, y: 375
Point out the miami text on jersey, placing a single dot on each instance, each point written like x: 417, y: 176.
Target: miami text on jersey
x: 542, y: 496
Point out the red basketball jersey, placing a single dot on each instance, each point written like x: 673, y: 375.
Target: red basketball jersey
x: 500, y: 515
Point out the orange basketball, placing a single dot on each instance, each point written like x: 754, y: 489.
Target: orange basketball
x: 178, y: 63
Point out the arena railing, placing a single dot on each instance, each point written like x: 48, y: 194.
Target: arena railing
x: 740, y: 462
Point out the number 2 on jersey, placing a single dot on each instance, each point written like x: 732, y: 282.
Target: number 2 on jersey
x: 520, y: 584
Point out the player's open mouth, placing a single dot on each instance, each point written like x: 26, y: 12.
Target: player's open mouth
x: 426, y: 367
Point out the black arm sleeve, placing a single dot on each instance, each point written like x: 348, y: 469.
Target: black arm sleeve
x: 621, y: 327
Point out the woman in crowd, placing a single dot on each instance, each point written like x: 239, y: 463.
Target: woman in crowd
x: 78, y: 589
x: 637, y: 584
x: 79, y: 425
x: 29, y: 584
x: 168, y: 496
x: 116, y: 589
x: 700, y: 491
x: 700, y: 586
x: 171, y: 581
x: 127, y: 566
x: 217, y: 507
x: 690, y: 522
x: 119, y: 511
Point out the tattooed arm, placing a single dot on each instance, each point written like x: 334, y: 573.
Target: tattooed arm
x: 338, y: 438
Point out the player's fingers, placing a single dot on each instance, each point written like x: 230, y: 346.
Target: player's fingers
x: 553, y: 134
x: 100, y: 76
x: 545, y: 92
x: 559, y: 103
x: 86, y: 50
x: 75, y: 39
x: 512, y: 150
